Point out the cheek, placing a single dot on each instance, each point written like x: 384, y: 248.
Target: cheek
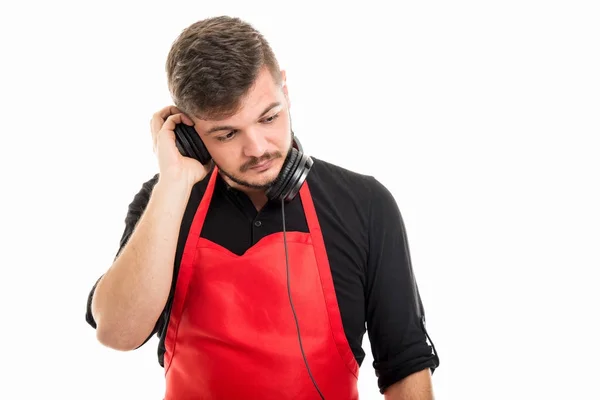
x: 222, y: 155
x: 282, y: 135
x: 278, y: 142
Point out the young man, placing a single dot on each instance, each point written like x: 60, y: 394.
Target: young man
x: 260, y: 269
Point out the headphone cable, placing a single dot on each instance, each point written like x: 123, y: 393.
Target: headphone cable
x: 287, y: 271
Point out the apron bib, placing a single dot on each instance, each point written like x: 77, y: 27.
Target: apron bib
x: 232, y: 333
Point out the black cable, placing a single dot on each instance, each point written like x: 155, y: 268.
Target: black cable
x: 287, y: 271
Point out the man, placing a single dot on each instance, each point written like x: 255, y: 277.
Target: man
x: 255, y: 295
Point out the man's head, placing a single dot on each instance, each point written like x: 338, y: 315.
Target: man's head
x: 223, y: 74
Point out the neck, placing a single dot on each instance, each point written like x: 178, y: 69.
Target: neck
x: 257, y: 196
x: 259, y: 200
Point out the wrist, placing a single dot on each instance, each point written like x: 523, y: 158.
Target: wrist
x: 178, y: 178
x: 172, y: 184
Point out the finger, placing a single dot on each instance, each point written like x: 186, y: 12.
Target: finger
x: 174, y: 120
x: 164, y: 135
x: 157, y: 121
x: 156, y: 124
x: 167, y: 111
x: 172, y: 110
x: 186, y: 120
x: 159, y: 117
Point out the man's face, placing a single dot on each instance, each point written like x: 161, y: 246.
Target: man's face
x: 250, y: 147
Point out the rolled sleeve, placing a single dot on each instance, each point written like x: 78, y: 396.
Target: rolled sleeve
x: 395, y: 315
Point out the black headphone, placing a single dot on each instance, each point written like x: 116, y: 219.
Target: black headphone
x: 293, y: 173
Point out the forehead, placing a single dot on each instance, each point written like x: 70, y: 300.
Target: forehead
x: 264, y: 92
x: 261, y: 95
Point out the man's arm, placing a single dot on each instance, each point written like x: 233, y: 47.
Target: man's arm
x: 403, y: 358
x: 130, y: 297
x: 416, y: 386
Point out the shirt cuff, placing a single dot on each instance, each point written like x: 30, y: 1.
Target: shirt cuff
x: 414, y: 359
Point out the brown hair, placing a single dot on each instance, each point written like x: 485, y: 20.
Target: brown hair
x: 213, y: 63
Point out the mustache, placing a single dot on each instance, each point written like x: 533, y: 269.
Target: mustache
x: 257, y: 160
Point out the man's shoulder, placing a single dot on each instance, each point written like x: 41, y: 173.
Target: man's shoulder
x: 150, y: 183
x: 328, y: 170
x: 336, y: 177
x: 330, y: 179
x: 143, y: 193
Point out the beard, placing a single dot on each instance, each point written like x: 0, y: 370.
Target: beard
x: 255, y: 161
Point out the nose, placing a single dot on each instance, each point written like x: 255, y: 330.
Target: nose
x: 255, y: 144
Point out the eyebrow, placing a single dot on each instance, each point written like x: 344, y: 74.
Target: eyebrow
x: 232, y: 128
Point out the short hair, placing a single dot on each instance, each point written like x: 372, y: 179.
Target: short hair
x: 213, y: 64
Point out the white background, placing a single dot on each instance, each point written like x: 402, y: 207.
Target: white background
x: 481, y: 117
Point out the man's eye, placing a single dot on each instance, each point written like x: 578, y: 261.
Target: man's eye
x: 230, y: 135
x: 271, y: 119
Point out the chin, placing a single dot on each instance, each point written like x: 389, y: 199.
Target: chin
x: 257, y: 179
x: 264, y: 178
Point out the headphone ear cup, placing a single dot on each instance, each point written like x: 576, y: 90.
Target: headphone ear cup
x: 276, y: 189
x: 298, y: 175
x: 200, y: 150
x: 190, y: 144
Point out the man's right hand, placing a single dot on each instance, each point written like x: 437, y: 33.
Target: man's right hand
x: 172, y: 164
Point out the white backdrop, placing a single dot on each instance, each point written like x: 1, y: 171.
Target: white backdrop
x: 482, y: 118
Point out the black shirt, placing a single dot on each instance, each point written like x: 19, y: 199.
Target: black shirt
x: 368, y: 254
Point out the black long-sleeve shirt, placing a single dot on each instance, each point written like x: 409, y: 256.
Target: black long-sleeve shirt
x: 368, y: 254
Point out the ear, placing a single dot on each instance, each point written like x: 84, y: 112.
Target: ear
x: 284, y: 88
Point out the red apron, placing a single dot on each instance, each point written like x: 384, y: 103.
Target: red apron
x: 232, y: 333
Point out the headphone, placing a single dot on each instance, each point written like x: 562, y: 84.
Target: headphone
x: 293, y: 173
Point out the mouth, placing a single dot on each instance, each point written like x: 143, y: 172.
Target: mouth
x: 263, y: 166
